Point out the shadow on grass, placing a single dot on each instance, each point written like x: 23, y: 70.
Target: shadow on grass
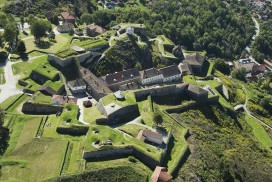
x: 43, y: 44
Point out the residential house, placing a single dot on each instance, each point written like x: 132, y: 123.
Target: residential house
x: 77, y: 86
x: 150, y: 136
x: 151, y: 76
x: 67, y: 18
x: 170, y: 73
x: 65, y: 28
x: 94, y: 30
x: 197, y: 93
x: 247, y: 64
x: 62, y: 100
x: 95, y: 87
x: 195, y: 61
x: 115, y: 80
x: 160, y: 175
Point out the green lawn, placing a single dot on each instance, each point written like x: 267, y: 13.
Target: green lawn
x: 54, y: 85
x: 117, y: 162
x: 44, y: 159
x: 46, y: 70
x: 118, y: 140
x: 41, y: 98
x: 91, y: 114
x: 51, y: 47
x: 25, y: 68
x: 6, y: 103
x: 130, y: 99
x: 131, y: 129
x: 16, y: 107
x: 259, y: 132
x: 2, y: 76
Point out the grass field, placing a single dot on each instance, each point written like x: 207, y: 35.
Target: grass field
x: 25, y: 68
x: 2, y: 76
x: 6, y: 103
x: 131, y: 129
x: 91, y: 114
x: 130, y: 99
x: 50, y: 47
x: 118, y: 162
x: 259, y: 132
x: 41, y: 98
x: 44, y: 159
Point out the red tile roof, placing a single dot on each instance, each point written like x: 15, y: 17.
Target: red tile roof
x: 67, y: 16
x: 160, y: 175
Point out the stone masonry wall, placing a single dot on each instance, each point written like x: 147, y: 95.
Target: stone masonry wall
x: 29, y: 107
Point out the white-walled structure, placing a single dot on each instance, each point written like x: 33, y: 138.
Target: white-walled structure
x: 77, y: 86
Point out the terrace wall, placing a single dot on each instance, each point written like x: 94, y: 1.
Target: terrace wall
x: 59, y: 61
x: 35, y: 108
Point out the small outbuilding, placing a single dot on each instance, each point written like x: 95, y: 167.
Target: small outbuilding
x: 150, y: 136
x: 160, y: 175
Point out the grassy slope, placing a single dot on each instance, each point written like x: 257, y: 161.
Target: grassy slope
x: 259, y: 132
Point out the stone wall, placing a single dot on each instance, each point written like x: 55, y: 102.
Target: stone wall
x: 61, y: 62
x: 33, y: 108
x: 222, y: 89
x: 123, y: 114
x: 41, y: 79
x: 77, y: 131
x: 198, y: 97
x: 166, y: 90
x: 110, y: 154
x: 101, y: 108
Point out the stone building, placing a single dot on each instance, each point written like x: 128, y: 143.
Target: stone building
x: 197, y: 93
x: 170, y: 73
x: 94, y: 30
x: 151, y: 76
x: 96, y: 87
x: 67, y: 18
x: 65, y: 27
x: 150, y: 136
x: 77, y: 86
x: 195, y: 61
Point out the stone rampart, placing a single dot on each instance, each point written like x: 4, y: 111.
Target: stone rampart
x: 35, y: 108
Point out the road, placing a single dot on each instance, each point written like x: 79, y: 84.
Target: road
x: 9, y: 88
x: 257, y: 33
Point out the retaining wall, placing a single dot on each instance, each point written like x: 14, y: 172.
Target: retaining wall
x: 35, y: 108
x: 78, y: 131
x: 110, y: 154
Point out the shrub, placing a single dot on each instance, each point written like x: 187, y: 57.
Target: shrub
x: 132, y: 159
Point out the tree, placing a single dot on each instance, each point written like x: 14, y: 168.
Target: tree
x: 51, y: 36
x: 22, y: 20
x: 86, y: 18
x: 10, y: 33
x: 71, y: 32
x: 39, y: 28
x: 157, y: 117
x: 221, y: 66
x: 239, y: 74
x: 21, y: 48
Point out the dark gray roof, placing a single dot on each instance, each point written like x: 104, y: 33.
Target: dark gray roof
x: 194, y: 59
x: 93, y: 81
x: 149, y: 73
x: 122, y: 76
x: 196, y: 89
x: 77, y: 83
x: 169, y: 71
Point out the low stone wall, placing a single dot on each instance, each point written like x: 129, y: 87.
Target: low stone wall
x: 34, y: 108
x: 181, y: 108
x: 110, y: 154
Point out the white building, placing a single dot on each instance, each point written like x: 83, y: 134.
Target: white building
x: 150, y: 136
x: 151, y: 76
x: 130, y: 31
x: 163, y: 75
x: 77, y: 86
x: 170, y: 73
